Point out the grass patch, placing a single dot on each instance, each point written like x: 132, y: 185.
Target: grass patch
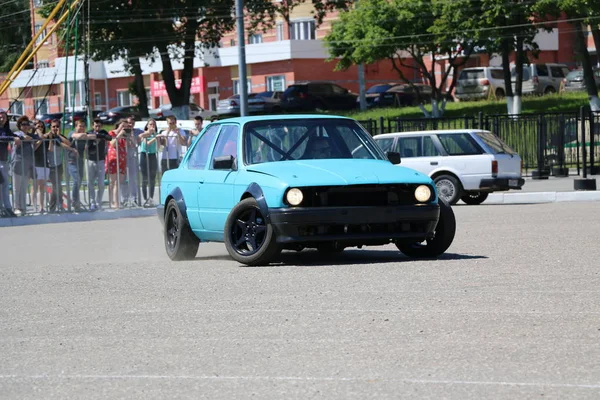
x: 555, y: 103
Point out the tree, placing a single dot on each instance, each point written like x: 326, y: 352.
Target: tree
x: 412, y: 34
x: 509, y: 29
x: 15, y: 32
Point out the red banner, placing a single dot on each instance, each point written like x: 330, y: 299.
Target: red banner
x: 158, y: 88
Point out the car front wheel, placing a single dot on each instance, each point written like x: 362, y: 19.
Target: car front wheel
x: 441, y: 241
x: 248, y: 237
x: 180, y: 241
x: 474, y: 198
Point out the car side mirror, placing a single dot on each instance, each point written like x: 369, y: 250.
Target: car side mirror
x: 393, y: 156
x: 224, y: 162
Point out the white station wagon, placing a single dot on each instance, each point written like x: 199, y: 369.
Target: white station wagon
x: 465, y: 164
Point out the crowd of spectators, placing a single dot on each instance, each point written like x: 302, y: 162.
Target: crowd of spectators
x: 46, y: 171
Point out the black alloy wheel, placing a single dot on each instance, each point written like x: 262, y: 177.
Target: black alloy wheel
x: 249, y: 238
x: 180, y: 242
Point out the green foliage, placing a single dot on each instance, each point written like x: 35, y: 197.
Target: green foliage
x: 15, y: 32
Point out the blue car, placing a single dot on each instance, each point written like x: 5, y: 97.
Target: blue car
x: 263, y: 184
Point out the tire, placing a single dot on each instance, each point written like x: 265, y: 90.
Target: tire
x: 180, y: 241
x: 329, y: 248
x: 500, y: 93
x: 550, y: 90
x: 443, y: 237
x: 320, y: 106
x: 249, y: 239
x: 474, y: 198
x: 448, y: 188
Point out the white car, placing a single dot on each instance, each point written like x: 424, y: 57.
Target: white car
x: 465, y: 164
x: 165, y: 110
x: 12, y: 121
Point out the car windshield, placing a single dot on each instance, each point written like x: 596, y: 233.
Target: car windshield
x: 494, y: 143
x: 378, y: 89
x: 302, y: 139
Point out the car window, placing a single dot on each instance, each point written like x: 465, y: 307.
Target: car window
x: 385, y: 144
x: 542, y: 69
x: 471, y: 74
x: 496, y: 145
x: 194, y: 107
x: 227, y: 142
x: 497, y: 74
x: 459, y: 144
x: 338, y: 89
x: 199, y: 156
x: 557, y: 72
x: 526, y: 73
x: 410, y: 146
x: 295, y: 139
x: 429, y: 148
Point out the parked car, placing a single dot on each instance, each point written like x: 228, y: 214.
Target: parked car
x: 541, y: 78
x: 262, y: 184
x: 12, y: 121
x: 311, y: 96
x: 49, y: 117
x: 480, y: 83
x: 258, y: 103
x: 465, y: 164
x: 396, y: 95
x: 165, y: 110
x: 574, y: 82
x: 114, y: 114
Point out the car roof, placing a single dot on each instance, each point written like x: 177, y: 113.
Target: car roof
x: 244, y: 120
x: 430, y: 132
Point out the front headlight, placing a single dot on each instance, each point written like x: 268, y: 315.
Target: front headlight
x: 294, y: 196
x: 422, y: 193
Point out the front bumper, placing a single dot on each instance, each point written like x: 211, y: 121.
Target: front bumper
x: 351, y: 224
x: 500, y: 184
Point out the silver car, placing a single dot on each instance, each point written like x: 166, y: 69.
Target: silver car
x: 258, y: 103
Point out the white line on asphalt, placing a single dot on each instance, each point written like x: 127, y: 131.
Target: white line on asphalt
x: 303, y: 378
x: 367, y: 311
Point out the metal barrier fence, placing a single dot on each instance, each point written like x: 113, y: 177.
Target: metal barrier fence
x: 54, y: 174
x: 548, y: 143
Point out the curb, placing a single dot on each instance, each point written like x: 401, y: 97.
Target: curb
x: 77, y: 217
x: 542, y: 197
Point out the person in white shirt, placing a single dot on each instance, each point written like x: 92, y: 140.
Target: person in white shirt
x: 172, y: 140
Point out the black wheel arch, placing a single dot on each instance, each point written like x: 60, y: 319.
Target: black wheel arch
x: 254, y: 190
x: 178, y: 196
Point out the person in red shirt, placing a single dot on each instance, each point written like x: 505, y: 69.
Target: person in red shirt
x: 116, y: 160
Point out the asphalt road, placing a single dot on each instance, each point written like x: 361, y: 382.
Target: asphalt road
x: 95, y: 310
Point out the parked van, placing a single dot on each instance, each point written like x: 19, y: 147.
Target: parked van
x: 480, y: 83
x: 541, y: 78
x: 465, y: 164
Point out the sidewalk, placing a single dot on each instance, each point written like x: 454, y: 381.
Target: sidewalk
x: 546, y: 191
x: 78, y: 217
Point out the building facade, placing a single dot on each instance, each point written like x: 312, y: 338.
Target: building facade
x: 290, y: 52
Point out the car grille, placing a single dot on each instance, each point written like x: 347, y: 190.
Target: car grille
x: 359, y: 195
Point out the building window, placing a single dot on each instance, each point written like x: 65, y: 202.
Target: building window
x: 276, y: 83
x: 279, y: 30
x: 98, y: 99
x: 255, y: 39
x: 123, y: 98
x: 303, y: 30
x: 41, y: 106
x: 232, y: 42
x: 16, y: 107
x: 236, y: 86
x: 149, y: 96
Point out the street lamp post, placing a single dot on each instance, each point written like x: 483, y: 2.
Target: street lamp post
x: 239, y: 16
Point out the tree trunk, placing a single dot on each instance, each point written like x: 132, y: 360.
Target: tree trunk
x: 519, y: 76
x: 588, y: 73
x: 140, y: 89
x: 506, y: 50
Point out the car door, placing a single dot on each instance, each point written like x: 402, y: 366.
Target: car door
x: 216, y: 197
x: 196, y: 168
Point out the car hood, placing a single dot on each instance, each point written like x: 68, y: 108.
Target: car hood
x: 338, y: 172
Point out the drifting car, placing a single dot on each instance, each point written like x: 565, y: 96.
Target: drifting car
x: 263, y: 184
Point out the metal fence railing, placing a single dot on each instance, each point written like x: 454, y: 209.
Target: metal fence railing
x: 548, y: 143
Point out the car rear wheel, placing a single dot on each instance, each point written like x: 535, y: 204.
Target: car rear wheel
x: 441, y: 241
x: 448, y: 187
x: 180, y: 241
x: 248, y: 237
x: 474, y: 198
